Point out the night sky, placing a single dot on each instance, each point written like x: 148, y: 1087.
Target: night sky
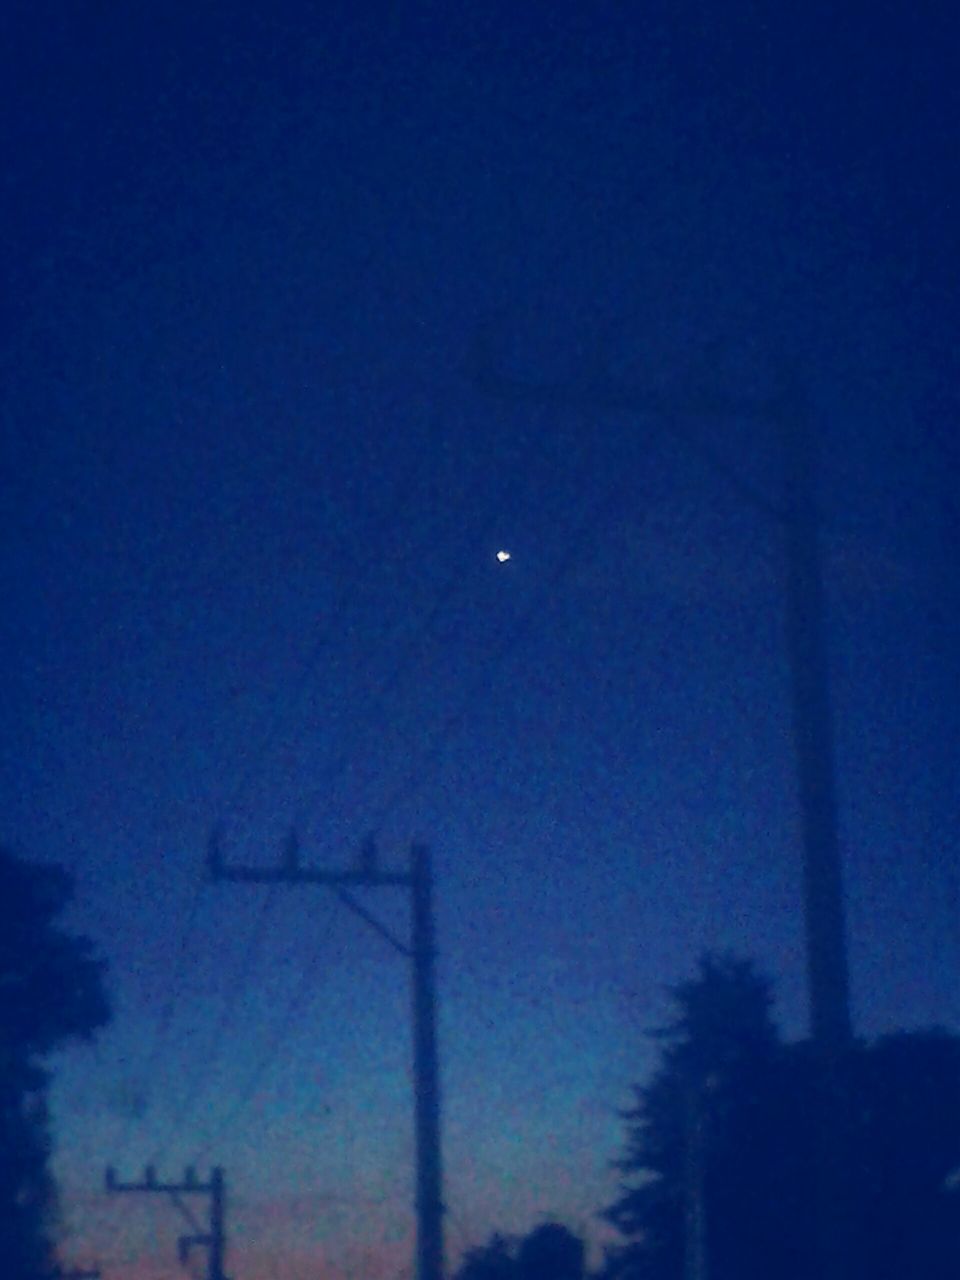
x: 256, y: 256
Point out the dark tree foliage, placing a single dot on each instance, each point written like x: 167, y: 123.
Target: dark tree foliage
x: 722, y: 1038
x: 494, y: 1260
x: 51, y: 993
x: 727, y: 1124
x: 908, y: 1123
x: 550, y: 1252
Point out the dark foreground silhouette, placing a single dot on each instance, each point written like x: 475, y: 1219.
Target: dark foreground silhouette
x: 51, y: 993
x: 722, y: 1173
x: 722, y: 1149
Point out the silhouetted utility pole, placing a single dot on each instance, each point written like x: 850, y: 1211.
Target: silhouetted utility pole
x: 788, y: 412
x: 214, y: 1239
x: 824, y: 916
x: 828, y: 980
x: 421, y: 952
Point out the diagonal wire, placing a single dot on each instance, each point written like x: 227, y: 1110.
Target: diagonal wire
x: 206, y: 1064
x: 296, y: 1005
x: 587, y: 529
x: 454, y: 582
x: 590, y: 525
x: 284, y: 699
x: 205, y: 568
x: 300, y: 995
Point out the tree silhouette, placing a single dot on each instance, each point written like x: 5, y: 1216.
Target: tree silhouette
x: 549, y: 1252
x: 491, y: 1261
x: 908, y: 1121
x: 51, y: 992
x: 721, y: 1040
x: 721, y: 1147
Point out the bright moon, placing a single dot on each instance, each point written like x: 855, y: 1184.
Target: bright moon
x: 503, y: 556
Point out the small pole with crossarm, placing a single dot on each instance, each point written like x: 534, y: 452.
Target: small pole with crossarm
x: 213, y: 1240
x: 421, y: 951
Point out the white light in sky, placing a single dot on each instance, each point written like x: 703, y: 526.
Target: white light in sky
x: 503, y: 556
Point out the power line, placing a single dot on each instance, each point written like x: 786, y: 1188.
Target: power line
x: 282, y: 703
x: 417, y: 880
x: 204, y: 1066
x: 522, y: 479
x: 297, y: 1003
x: 574, y: 555
x: 454, y: 583
x: 162, y: 1027
x: 606, y: 505
x: 202, y: 569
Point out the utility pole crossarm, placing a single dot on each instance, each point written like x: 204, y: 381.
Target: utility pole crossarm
x: 418, y: 881
x: 679, y: 412
x: 214, y: 1240
x: 289, y: 869
x: 190, y: 1185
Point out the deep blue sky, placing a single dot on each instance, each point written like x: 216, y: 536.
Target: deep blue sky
x: 253, y: 499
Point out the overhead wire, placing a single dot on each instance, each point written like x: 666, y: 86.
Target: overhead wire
x: 268, y: 741
x: 416, y: 780
x: 522, y: 478
x: 296, y: 1005
x: 205, y: 1065
x: 203, y: 568
x: 283, y: 699
x: 512, y: 496
x: 580, y: 542
x: 586, y: 531
x: 591, y: 526
x: 416, y: 777
x: 451, y: 586
x: 520, y: 640
x: 588, y: 528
